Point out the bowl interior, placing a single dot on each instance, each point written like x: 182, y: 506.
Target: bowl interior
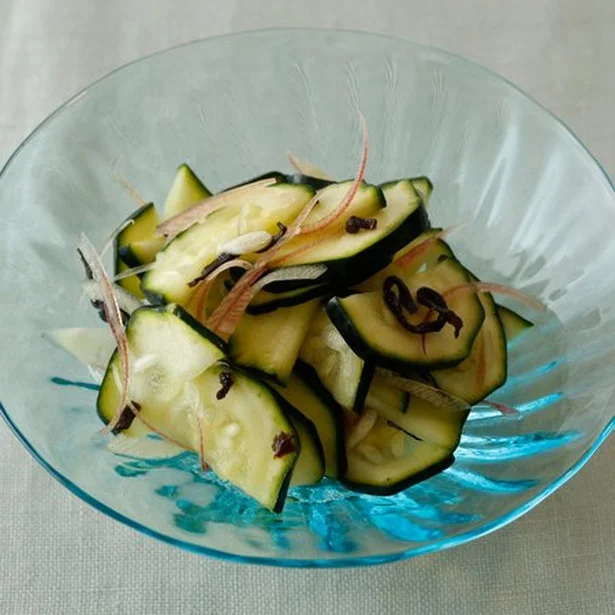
x: 538, y: 211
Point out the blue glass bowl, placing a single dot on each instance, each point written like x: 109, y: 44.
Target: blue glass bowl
x: 539, y: 212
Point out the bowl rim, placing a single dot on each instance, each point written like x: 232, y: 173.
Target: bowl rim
x: 440, y: 545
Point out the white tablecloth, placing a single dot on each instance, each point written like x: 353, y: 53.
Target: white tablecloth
x: 58, y: 556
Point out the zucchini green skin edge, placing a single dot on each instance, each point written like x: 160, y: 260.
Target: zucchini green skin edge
x: 424, y: 187
x: 186, y: 190
x: 194, y: 324
x: 309, y: 376
x: 514, y: 324
x: 294, y: 416
x: 364, y: 383
x: 158, y: 297
x: 121, y: 244
x: 419, y: 477
x: 358, y: 267
x: 338, y: 270
x: 497, y: 365
x: 293, y: 178
x: 287, y: 411
x: 291, y: 299
x: 353, y: 338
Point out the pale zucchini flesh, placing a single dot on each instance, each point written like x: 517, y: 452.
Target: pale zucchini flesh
x: 167, y: 349
x: 485, y: 369
x: 306, y: 393
x: 372, y: 331
x: 187, y: 190
x: 183, y: 259
x: 140, y: 231
x: 388, y: 461
x: 270, y: 343
x: 238, y: 434
x: 351, y: 258
x: 343, y: 373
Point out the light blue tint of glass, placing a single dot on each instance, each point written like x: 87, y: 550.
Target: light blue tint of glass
x: 539, y: 214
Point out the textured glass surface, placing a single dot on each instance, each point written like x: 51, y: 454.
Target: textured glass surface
x: 539, y: 215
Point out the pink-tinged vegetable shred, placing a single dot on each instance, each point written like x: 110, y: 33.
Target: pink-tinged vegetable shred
x: 352, y: 190
x: 113, y: 317
x: 198, y: 212
x: 307, y: 168
x: 205, y: 286
x: 499, y: 289
x: 225, y: 318
x: 423, y: 245
x: 506, y: 410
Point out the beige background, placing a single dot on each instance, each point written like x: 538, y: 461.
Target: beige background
x: 58, y: 556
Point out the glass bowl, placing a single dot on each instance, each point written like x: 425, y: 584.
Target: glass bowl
x: 539, y: 214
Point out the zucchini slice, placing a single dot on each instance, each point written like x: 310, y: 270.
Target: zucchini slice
x: 270, y: 343
x: 266, y: 302
x: 184, y: 258
x: 367, y: 202
x: 168, y: 349
x: 345, y: 375
x: 389, y: 460
x: 141, y: 252
x: 293, y: 178
x: 140, y: 233
x: 186, y: 190
x: 375, y: 335
x: 484, y: 370
x: 131, y: 284
x: 306, y: 393
x: 436, y: 425
x: 352, y: 258
x: 310, y: 465
x: 316, y: 182
x: 383, y: 396
x: 424, y: 187
x: 514, y: 324
x: 241, y: 432
x: 425, y: 260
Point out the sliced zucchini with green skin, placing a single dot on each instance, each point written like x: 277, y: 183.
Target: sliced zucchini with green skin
x: 427, y: 259
x: 270, y: 343
x: 310, y: 465
x: 424, y: 187
x: 183, y: 259
x: 279, y: 177
x: 345, y: 375
x: 187, y: 190
x: 484, y: 370
x: 375, y: 335
x: 433, y: 424
x: 142, y: 227
x: 132, y: 284
x: 366, y: 203
x: 315, y: 182
x: 241, y: 435
x: 388, y: 461
x: 141, y: 252
x: 352, y: 258
x: 382, y: 395
x: 514, y: 324
x: 293, y: 178
x: 307, y: 394
x: 168, y: 349
x: 265, y: 302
